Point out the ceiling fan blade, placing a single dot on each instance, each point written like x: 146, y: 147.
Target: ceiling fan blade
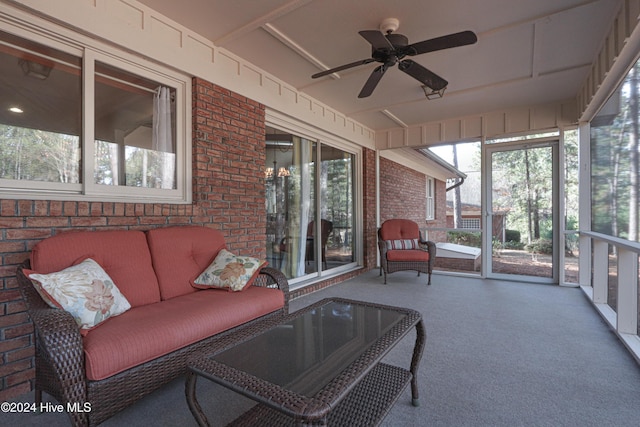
x: 342, y: 67
x: 372, y: 81
x: 377, y: 40
x: 462, y: 38
x: 426, y: 77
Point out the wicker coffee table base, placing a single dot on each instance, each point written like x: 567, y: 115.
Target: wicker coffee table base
x: 366, y: 405
x: 360, y: 395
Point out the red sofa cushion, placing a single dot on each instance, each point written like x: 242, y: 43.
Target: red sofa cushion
x: 148, y: 332
x: 123, y: 254
x: 180, y: 254
x: 399, y: 229
x: 409, y: 255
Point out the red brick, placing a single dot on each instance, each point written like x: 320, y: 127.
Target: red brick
x: 18, y: 331
x: 12, y: 368
x: 15, y: 307
x: 42, y: 222
x: 12, y: 247
x: 83, y: 208
x: 23, y: 353
x: 11, y: 222
x: 20, y: 377
x: 88, y: 221
x: 40, y: 207
x: 18, y: 390
x: 28, y: 233
x: 7, y: 345
x: 25, y: 207
x: 13, y: 319
x: 15, y: 258
x: 55, y: 208
x: 125, y: 220
x: 70, y: 208
x: 8, y: 207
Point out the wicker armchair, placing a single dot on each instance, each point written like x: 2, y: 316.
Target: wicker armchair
x: 402, y: 248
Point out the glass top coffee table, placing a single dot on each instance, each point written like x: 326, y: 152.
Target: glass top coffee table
x: 319, y: 365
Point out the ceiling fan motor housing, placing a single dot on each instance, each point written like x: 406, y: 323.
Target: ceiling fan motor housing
x: 398, y: 41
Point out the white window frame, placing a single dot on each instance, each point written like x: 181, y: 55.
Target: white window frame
x: 286, y: 123
x: 430, y: 199
x: 91, y: 51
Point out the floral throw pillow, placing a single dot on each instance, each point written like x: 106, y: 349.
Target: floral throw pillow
x: 229, y: 271
x: 85, y: 290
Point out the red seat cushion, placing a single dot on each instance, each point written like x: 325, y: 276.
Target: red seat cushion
x: 409, y: 255
x: 151, y: 331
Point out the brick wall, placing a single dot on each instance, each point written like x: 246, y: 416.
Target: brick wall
x: 403, y: 195
x: 369, y: 212
x: 228, y: 189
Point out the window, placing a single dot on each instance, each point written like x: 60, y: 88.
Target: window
x: 615, y: 199
x: 78, y: 123
x: 473, y: 223
x: 431, y: 215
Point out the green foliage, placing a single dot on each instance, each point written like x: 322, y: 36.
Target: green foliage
x: 614, y: 142
x: 464, y: 238
x: 512, y: 236
x: 540, y: 246
x: 513, y: 245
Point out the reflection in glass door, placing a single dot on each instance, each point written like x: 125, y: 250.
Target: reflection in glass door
x: 309, y: 193
x: 522, y: 194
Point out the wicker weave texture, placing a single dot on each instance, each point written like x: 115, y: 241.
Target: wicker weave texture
x: 314, y: 410
x: 366, y: 405
x: 60, y: 369
x: 388, y: 267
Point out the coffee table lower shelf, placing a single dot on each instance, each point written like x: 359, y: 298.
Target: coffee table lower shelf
x: 366, y: 405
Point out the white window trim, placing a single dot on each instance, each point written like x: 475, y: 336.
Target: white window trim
x: 430, y: 199
x: 90, y: 52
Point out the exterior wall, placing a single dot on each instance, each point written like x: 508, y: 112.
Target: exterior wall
x: 403, y: 195
x: 369, y: 221
x: 228, y: 194
x: 228, y: 158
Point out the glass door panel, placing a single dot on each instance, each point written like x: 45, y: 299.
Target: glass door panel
x: 336, y: 208
x: 522, y: 218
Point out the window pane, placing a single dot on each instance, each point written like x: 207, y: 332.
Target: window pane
x: 40, y: 114
x: 615, y: 162
x: 336, y: 209
x: 290, y: 192
x: 135, y: 130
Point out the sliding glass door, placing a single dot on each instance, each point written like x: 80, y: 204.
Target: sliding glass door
x: 310, y: 205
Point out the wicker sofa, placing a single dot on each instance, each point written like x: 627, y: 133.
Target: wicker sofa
x: 129, y: 355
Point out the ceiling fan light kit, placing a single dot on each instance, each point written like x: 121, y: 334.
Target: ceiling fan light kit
x: 389, y: 49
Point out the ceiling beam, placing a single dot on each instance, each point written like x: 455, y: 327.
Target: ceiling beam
x: 260, y: 21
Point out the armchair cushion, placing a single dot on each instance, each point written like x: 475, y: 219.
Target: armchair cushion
x: 407, y: 255
x: 399, y: 229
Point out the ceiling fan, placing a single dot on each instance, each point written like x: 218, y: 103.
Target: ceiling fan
x: 389, y: 49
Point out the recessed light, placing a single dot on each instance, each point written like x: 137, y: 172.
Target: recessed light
x: 16, y: 110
